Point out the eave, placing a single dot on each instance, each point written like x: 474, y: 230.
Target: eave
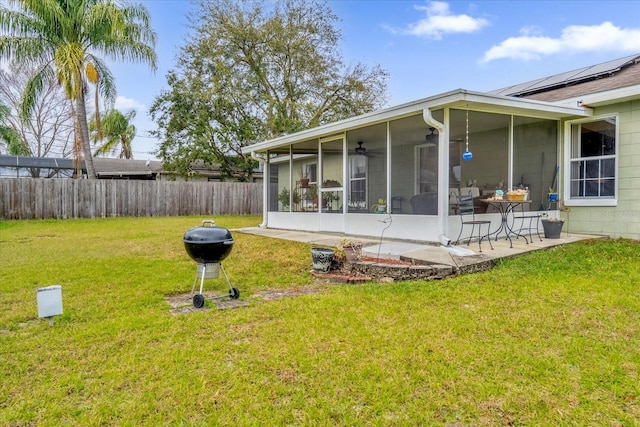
x: 599, y: 99
x: 459, y: 98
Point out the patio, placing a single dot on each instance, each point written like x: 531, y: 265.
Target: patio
x: 429, y: 261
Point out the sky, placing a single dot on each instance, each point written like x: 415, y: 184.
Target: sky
x: 427, y: 47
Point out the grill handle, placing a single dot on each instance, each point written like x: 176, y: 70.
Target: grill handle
x: 209, y: 222
x: 228, y: 242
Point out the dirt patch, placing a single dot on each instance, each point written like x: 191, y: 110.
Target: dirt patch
x: 276, y: 294
x: 183, y: 303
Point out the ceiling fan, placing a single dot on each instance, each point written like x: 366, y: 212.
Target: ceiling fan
x: 360, y: 150
x: 430, y: 139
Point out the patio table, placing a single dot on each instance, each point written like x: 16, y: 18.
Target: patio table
x: 506, y: 207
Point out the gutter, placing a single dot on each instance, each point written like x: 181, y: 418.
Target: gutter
x: 443, y: 175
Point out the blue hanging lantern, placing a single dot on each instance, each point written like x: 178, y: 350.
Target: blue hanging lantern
x: 467, y: 155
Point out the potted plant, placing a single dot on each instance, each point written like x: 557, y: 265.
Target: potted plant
x: 322, y: 258
x: 284, y: 199
x: 304, y: 178
x: 552, y: 227
x: 311, y: 195
x: 380, y: 207
x: 352, y: 249
x: 330, y: 183
x: 328, y: 198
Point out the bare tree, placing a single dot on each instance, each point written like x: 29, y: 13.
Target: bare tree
x: 48, y: 131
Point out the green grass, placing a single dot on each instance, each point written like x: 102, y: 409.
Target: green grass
x: 550, y: 338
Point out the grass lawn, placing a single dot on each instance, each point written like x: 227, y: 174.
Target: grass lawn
x: 550, y: 338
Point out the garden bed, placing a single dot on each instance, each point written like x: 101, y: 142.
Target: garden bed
x: 381, y: 270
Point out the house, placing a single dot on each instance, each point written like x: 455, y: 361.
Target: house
x: 576, y: 132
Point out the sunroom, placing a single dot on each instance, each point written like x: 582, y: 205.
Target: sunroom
x: 399, y: 170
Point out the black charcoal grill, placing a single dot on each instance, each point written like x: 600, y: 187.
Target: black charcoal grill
x: 208, y: 245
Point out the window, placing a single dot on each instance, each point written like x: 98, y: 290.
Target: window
x: 357, y: 183
x: 310, y: 171
x: 592, y: 170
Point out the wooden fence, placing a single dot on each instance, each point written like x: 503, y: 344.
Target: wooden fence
x: 33, y: 198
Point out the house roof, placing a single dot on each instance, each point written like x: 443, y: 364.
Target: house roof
x: 105, y: 166
x: 607, y: 76
x: 459, y: 98
x: 8, y: 161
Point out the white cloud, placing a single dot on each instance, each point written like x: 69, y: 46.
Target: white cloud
x: 440, y: 21
x: 123, y: 103
x: 574, y: 38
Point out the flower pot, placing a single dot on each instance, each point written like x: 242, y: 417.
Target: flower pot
x: 552, y: 229
x: 304, y: 182
x: 353, y: 252
x: 553, y: 197
x: 321, y: 259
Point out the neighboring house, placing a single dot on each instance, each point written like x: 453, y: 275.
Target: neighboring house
x: 578, y: 132
x: 106, y: 168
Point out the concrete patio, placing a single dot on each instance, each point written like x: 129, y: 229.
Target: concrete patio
x: 443, y: 260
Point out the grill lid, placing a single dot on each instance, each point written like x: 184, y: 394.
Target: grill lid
x: 208, y: 243
x: 207, y: 233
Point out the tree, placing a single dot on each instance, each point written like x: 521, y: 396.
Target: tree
x: 117, y: 130
x: 49, y: 128
x: 254, y: 71
x: 64, y: 38
x: 8, y: 135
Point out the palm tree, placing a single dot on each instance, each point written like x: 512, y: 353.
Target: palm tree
x: 64, y: 38
x: 9, y: 136
x: 116, y: 130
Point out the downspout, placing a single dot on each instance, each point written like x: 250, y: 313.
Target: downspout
x: 265, y: 186
x: 443, y: 176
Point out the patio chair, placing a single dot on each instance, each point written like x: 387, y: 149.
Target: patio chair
x: 467, y: 214
x: 534, y: 223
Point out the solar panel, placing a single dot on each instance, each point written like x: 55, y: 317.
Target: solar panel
x: 566, y: 77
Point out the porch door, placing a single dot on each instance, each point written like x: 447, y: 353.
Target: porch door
x: 331, y: 177
x: 358, y: 183
x: 426, y: 168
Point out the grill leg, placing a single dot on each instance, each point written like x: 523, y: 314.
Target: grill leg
x: 195, y: 280
x: 204, y: 271
x: 225, y: 276
x: 234, y: 293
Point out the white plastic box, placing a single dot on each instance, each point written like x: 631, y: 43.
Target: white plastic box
x: 49, y: 301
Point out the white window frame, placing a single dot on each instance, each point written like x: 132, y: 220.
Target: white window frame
x: 589, y: 201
